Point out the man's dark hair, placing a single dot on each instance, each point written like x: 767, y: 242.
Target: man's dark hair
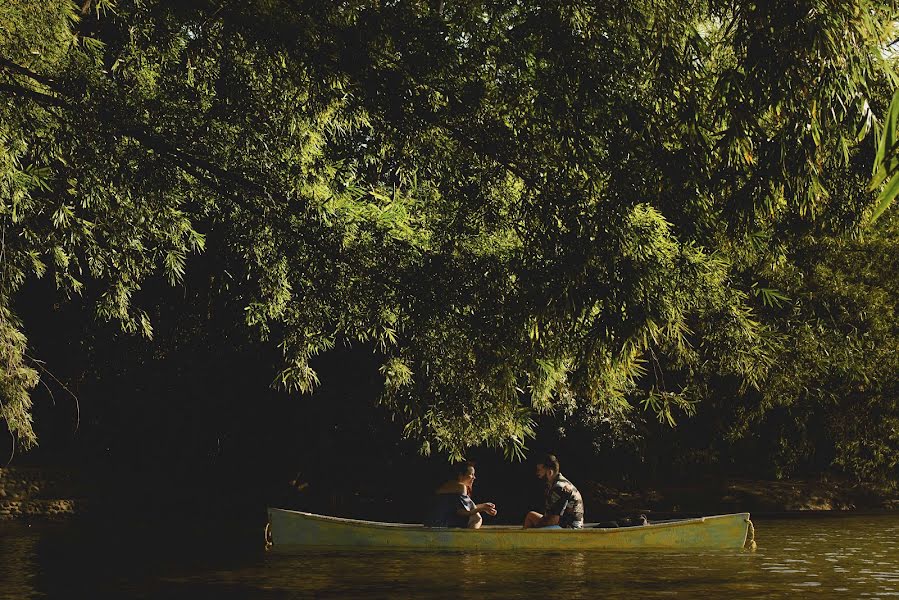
x: 461, y: 468
x: 550, y: 462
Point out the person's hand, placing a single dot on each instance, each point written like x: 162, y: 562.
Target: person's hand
x: 487, y: 507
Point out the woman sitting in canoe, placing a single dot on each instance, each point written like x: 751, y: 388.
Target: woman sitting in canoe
x: 453, y: 506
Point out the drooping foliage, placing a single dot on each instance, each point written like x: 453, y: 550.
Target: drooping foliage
x: 831, y: 399
x: 522, y: 204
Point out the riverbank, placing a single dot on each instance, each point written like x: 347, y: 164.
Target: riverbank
x: 736, y: 495
x: 53, y: 493
x: 32, y: 492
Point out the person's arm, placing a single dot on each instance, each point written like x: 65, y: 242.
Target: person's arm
x: 468, y: 508
x: 484, y: 507
x: 558, y: 502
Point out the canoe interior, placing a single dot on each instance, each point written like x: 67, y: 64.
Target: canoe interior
x: 299, y: 529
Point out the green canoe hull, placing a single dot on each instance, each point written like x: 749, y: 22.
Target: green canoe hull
x: 290, y: 528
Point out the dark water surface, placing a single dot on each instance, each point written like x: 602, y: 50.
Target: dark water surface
x: 842, y: 556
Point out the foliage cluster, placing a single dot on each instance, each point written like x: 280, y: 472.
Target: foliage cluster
x: 831, y: 400
x: 526, y: 206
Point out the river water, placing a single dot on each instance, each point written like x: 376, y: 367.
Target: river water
x: 840, y: 556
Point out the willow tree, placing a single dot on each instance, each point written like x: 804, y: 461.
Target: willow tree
x: 520, y: 203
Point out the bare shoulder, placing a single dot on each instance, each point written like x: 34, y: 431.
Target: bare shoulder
x: 451, y: 487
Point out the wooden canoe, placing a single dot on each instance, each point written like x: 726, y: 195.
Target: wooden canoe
x: 288, y: 528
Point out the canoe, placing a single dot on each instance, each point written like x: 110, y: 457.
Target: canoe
x: 292, y: 529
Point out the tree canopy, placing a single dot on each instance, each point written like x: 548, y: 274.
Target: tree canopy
x: 525, y: 206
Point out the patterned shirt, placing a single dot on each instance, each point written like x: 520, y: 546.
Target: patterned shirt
x: 563, y: 500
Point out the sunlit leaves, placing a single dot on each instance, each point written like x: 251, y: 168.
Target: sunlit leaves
x: 524, y: 207
x: 17, y: 378
x: 886, y: 163
x: 829, y: 400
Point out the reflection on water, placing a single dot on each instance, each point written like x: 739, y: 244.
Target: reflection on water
x: 18, y: 562
x: 841, y: 556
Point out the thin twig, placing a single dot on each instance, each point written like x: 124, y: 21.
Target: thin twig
x: 12, y: 452
x: 3, y: 319
x: 40, y: 366
x: 657, y: 369
x: 215, y: 13
x: 49, y: 391
x: 3, y: 263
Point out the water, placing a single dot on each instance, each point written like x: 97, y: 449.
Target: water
x: 849, y: 557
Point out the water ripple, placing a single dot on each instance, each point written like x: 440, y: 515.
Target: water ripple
x: 850, y: 556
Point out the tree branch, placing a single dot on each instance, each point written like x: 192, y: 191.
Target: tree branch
x: 155, y: 142
x: 39, y: 97
x: 10, y: 65
x: 144, y: 137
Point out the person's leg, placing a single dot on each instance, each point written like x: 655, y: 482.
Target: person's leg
x: 531, y: 519
x: 475, y: 521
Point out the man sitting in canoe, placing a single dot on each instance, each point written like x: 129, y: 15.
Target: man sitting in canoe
x: 453, y: 506
x: 563, y: 505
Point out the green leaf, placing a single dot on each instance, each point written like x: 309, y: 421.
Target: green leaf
x: 886, y: 162
x: 886, y: 197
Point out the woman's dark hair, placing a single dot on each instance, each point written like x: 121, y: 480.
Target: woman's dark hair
x: 550, y: 462
x: 460, y: 469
